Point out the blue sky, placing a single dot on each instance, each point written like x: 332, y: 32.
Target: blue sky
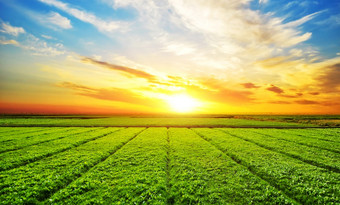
x: 230, y: 55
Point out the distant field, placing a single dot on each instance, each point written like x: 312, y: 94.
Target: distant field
x: 208, y: 121
x: 136, y: 165
x: 319, y: 120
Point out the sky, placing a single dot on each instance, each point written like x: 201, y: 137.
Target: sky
x: 170, y: 56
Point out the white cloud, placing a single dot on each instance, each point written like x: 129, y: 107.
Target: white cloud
x: 331, y: 21
x: 40, y: 47
x: 303, y: 20
x: 8, y: 42
x: 58, y: 20
x: 47, y: 37
x: 263, y: 1
x: 211, y: 36
x: 12, y: 30
x: 101, y: 25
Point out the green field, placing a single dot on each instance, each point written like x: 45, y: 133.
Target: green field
x: 142, y: 121
x: 203, y: 163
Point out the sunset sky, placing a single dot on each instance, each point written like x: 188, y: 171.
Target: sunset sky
x: 168, y: 56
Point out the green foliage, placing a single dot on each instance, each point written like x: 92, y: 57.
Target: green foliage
x: 169, y: 166
x: 39, y: 180
x: 202, y: 174
x: 135, y: 174
x: 281, y: 142
x: 32, y: 153
x: 144, y: 121
x: 304, y: 138
x: 17, y: 141
x: 303, y: 182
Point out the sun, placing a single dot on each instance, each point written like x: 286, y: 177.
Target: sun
x: 182, y: 103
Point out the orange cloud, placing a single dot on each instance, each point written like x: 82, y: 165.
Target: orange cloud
x: 330, y: 78
x: 306, y: 102
x: 214, y: 90
x: 275, y: 89
x: 124, y: 69
x: 250, y: 85
x: 111, y: 94
x: 31, y: 108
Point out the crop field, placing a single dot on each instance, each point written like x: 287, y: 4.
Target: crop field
x: 168, y: 165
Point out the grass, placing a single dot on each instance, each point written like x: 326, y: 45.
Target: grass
x: 167, y: 165
x: 208, y: 121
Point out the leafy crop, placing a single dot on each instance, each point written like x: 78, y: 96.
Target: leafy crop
x: 303, y: 182
x: 135, y: 174
x: 202, y: 174
x: 144, y: 121
x: 313, y: 155
x: 39, y: 180
x: 140, y: 165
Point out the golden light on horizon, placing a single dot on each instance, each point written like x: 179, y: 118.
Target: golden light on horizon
x: 183, y: 103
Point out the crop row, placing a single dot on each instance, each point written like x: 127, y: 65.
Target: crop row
x: 135, y: 174
x: 202, y: 174
x: 36, y: 182
x: 305, y: 183
x: 10, y: 136
x: 185, y: 170
x: 24, y: 141
x: 312, y: 155
x: 145, y: 121
x: 329, y: 134
x: 32, y: 153
x: 331, y: 146
x: 4, y: 131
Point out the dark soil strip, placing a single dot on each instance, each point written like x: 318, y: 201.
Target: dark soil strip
x: 17, y: 148
x: 43, y: 131
x: 168, y: 167
x: 21, y: 132
x: 311, y: 162
x: 301, y: 143
x: 177, y: 126
x: 307, y: 136
x: 251, y: 170
x: 7, y: 132
x: 59, y: 151
x: 68, y: 182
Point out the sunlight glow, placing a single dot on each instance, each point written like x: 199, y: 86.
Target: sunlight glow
x: 183, y: 103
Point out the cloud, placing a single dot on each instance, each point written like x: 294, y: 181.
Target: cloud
x: 211, y: 35
x: 179, y: 49
x: 101, y: 25
x: 47, y: 37
x: 297, y: 95
x: 331, y: 21
x: 280, y: 102
x: 227, y: 96
x: 314, y: 93
x: 9, y: 42
x: 40, y: 47
x: 214, y: 90
x: 263, y: 1
x: 236, y: 23
x: 249, y: 85
x: 56, y: 19
x: 131, y: 71
x: 12, y: 30
x: 306, y: 102
x: 303, y: 19
x: 29, y: 42
x: 275, y: 89
x: 329, y: 78
x: 111, y: 94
